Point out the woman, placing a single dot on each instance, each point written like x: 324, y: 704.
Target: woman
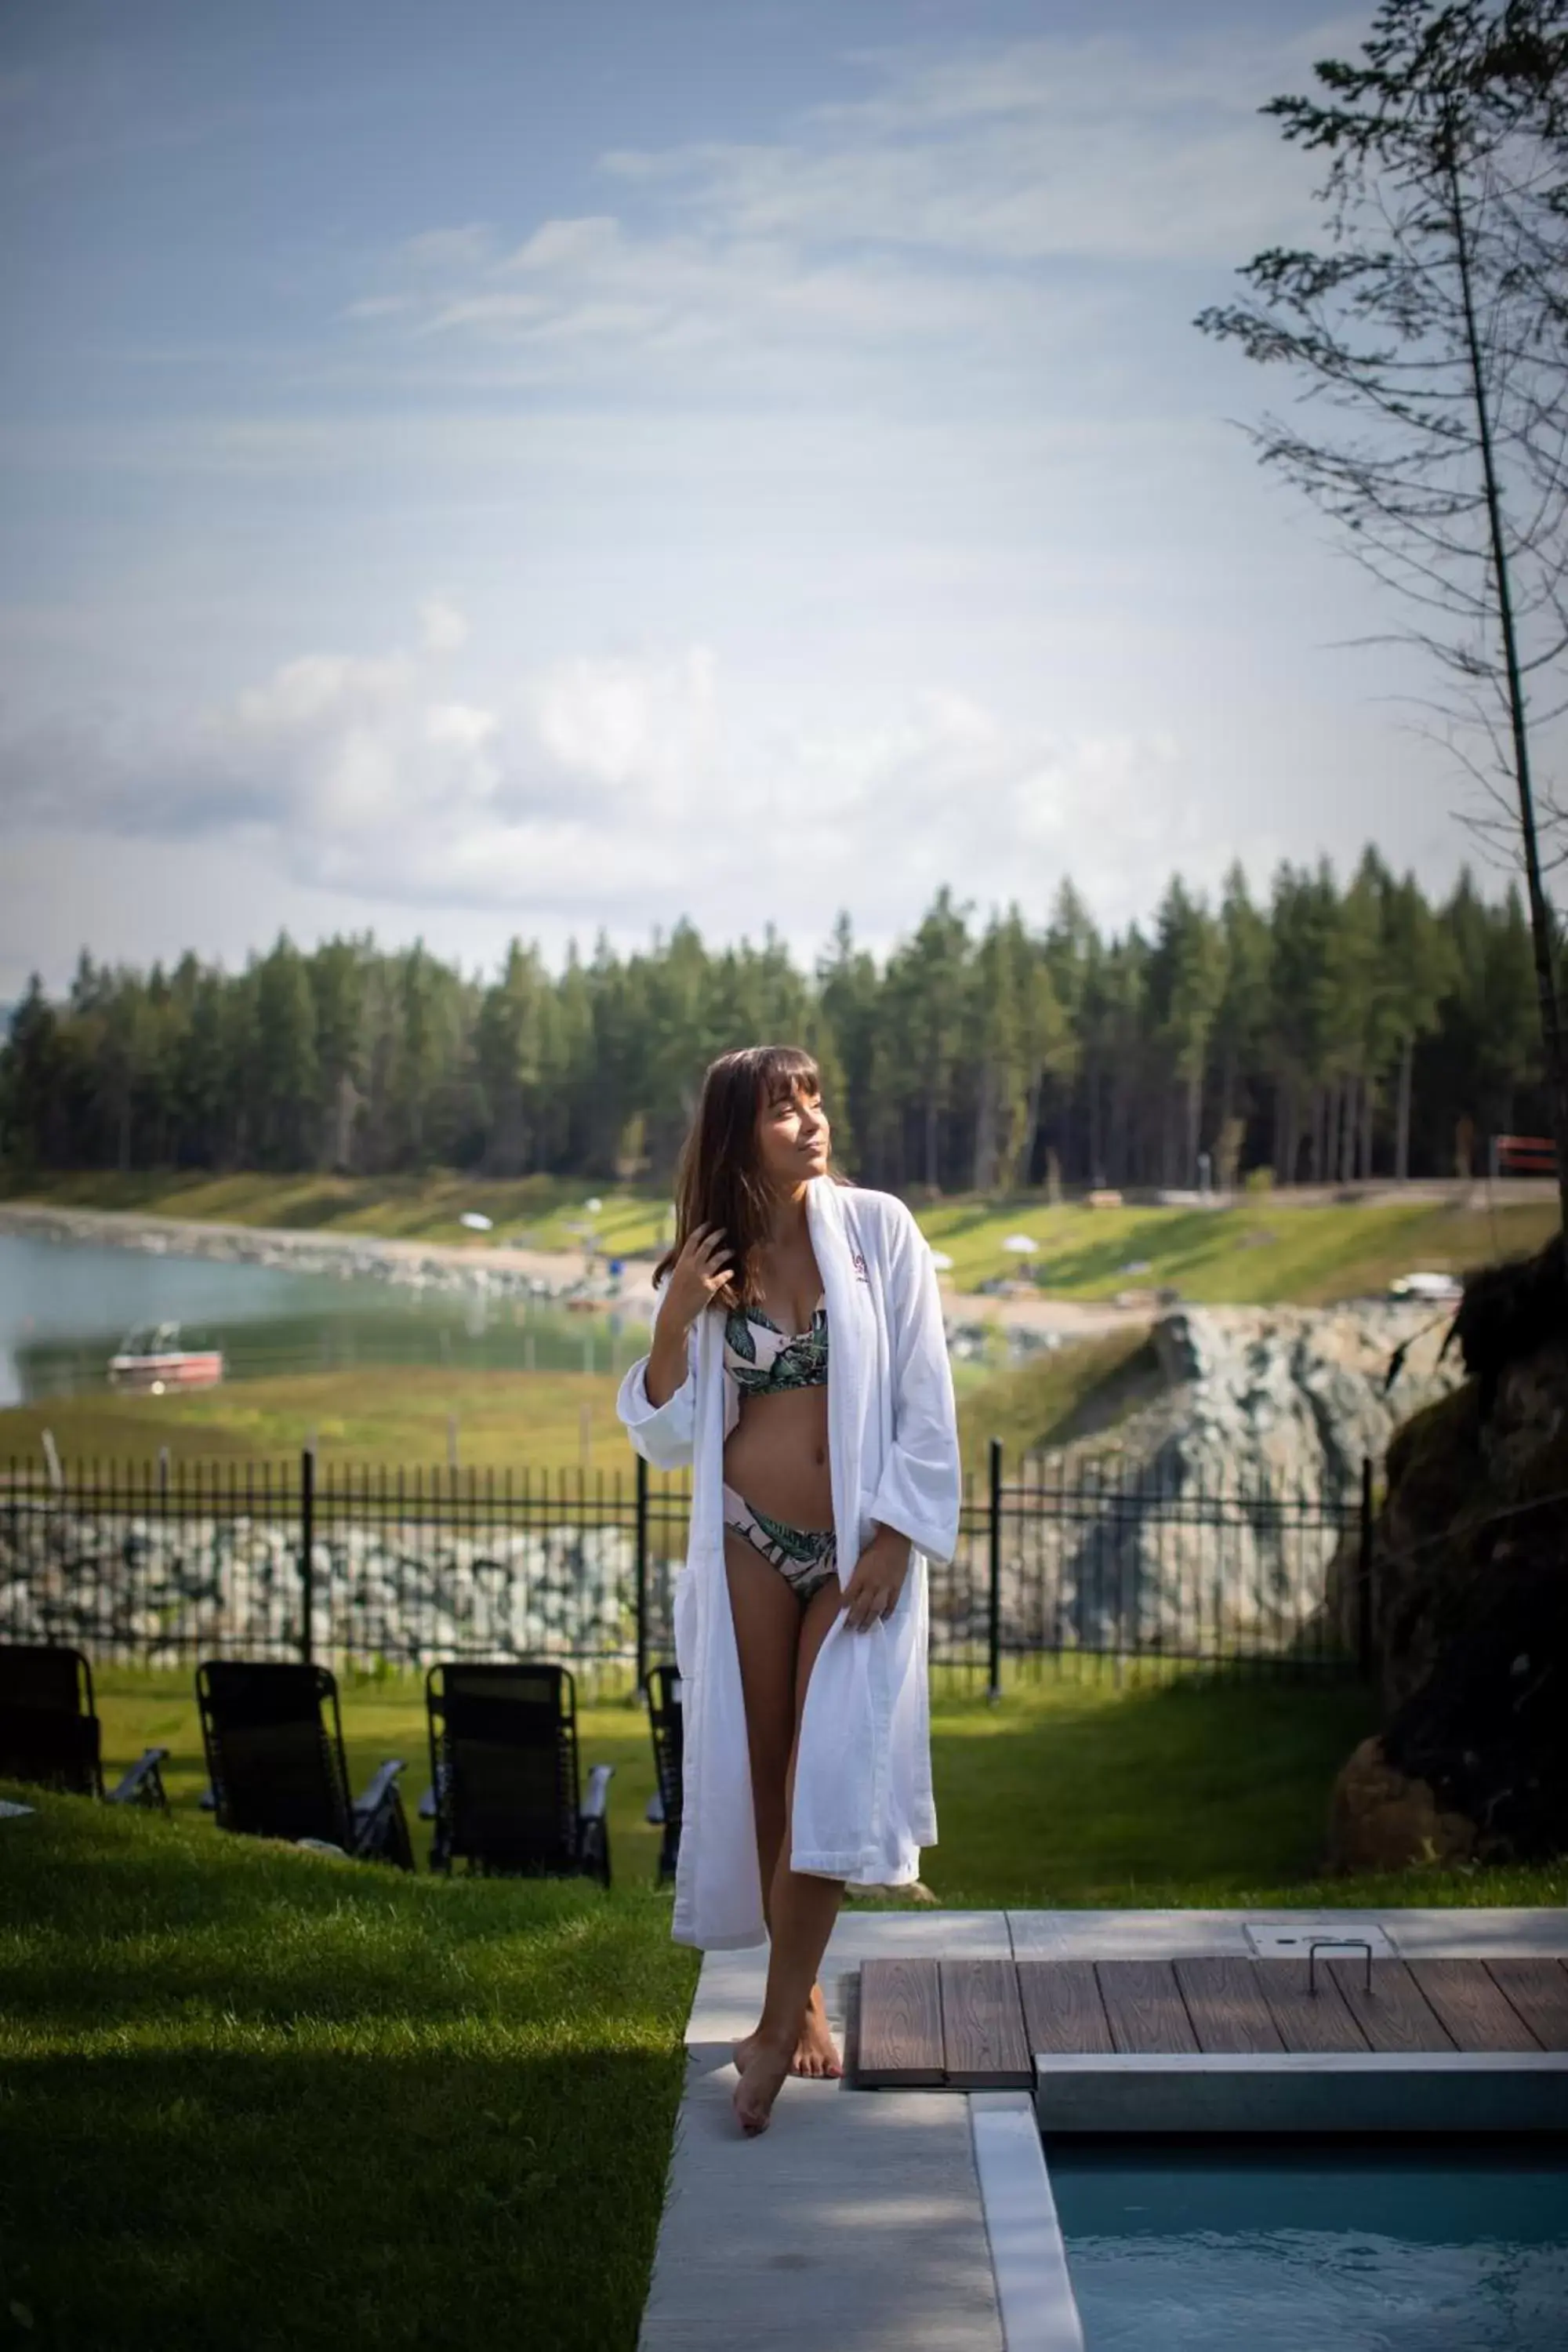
x: 799, y: 1364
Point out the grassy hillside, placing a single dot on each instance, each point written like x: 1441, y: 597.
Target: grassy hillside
x: 1262, y: 1252
x: 537, y: 1212
x: 397, y: 1415
x: 1266, y: 1249
x: 1052, y: 1400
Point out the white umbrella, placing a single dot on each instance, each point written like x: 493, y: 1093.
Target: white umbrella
x: 1020, y: 1244
x: 474, y: 1221
x: 940, y: 1260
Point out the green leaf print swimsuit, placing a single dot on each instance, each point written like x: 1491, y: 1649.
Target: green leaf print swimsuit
x: 766, y: 1361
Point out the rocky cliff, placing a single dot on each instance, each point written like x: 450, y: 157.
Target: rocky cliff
x: 1298, y: 1395
x: 1213, y: 1516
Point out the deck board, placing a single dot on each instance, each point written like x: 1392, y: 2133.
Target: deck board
x: 1224, y: 2003
x: 1313, y: 2022
x: 973, y: 2024
x: 1144, y: 2006
x: 1063, y: 2011
x: 1537, y: 1990
x: 1395, y: 2014
x: 900, y: 2024
x: 983, y: 2043
x: 1475, y: 2010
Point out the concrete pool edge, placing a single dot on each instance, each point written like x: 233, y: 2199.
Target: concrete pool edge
x: 1029, y: 2257
x: 1302, y: 2092
x: 858, y: 2247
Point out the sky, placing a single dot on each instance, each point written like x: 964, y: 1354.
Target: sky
x: 538, y: 468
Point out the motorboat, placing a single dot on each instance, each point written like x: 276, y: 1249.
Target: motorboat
x: 152, y: 1360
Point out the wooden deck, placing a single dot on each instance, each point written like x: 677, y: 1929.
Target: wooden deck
x: 975, y: 2024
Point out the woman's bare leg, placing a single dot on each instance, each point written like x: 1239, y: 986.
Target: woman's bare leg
x: 802, y: 1913
x: 768, y: 1621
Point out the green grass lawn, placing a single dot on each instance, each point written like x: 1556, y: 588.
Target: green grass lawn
x: 271, y: 2100
x: 393, y: 1415
x: 396, y: 1415
x: 1074, y: 1789
x: 1264, y: 1250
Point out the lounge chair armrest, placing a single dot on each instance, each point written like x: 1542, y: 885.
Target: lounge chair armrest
x: 655, y: 1812
x: 427, y: 1806
x: 598, y: 1795
x: 144, y: 1783
x: 385, y: 1780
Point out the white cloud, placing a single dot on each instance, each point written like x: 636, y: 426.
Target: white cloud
x: 1099, y: 148
x: 612, y: 787
x: 841, y: 513
x: 925, y: 217
x: 445, y: 627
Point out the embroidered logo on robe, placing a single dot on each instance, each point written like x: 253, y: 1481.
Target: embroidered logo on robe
x: 858, y: 1262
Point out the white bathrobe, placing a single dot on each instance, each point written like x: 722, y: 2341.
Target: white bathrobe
x: 862, y: 1794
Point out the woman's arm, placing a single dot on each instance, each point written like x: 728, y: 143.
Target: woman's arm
x: 656, y: 1402
x: 667, y: 1363
x: 662, y: 1428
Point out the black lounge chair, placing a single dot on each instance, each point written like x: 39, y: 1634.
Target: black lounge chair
x: 503, y: 1760
x: 278, y: 1770
x: 664, y: 1805
x: 49, y: 1730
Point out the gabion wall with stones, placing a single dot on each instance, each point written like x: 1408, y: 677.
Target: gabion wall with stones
x: 159, y: 1591
x: 1164, y: 1564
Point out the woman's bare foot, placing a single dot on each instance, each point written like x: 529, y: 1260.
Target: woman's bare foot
x: 761, y: 2079
x: 814, y: 2051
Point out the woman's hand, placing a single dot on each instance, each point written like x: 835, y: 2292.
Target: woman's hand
x: 703, y: 1267
x: 873, y: 1590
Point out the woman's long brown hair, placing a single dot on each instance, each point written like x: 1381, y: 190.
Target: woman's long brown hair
x: 720, y: 1179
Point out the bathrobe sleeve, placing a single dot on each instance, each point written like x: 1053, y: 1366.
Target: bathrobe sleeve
x: 920, y: 1487
x: 664, y: 1435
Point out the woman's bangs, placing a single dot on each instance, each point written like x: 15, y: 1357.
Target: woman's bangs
x: 785, y: 1072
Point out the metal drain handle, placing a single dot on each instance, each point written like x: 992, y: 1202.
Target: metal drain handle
x: 1336, y: 1944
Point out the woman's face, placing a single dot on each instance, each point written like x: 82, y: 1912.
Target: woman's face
x: 793, y: 1139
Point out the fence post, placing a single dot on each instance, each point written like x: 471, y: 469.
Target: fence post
x: 641, y: 1576
x: 994, y: 1629
x: 306, y: 1553
x: 1364, y: 1657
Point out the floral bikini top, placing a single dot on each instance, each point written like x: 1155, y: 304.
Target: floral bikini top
x: 765, y: 1359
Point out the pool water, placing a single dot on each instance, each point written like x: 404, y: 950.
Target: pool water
x: 1316, y: 2247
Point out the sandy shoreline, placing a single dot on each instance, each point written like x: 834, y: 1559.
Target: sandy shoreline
x: 566, y: 1275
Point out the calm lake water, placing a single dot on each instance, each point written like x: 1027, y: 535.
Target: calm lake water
x: 66, y: 1306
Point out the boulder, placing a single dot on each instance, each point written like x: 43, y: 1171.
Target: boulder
x: 1470, y: 1600
x: 1381, y: 1818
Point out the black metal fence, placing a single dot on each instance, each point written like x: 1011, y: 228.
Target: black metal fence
x: 1063, y: 1565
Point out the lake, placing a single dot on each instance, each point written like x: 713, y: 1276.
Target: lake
x: 65, y: 1306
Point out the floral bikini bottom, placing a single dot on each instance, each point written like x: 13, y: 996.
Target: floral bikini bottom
x: 805, y: 1557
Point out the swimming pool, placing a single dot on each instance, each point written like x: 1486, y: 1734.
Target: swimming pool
x: 1252, y: 2246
